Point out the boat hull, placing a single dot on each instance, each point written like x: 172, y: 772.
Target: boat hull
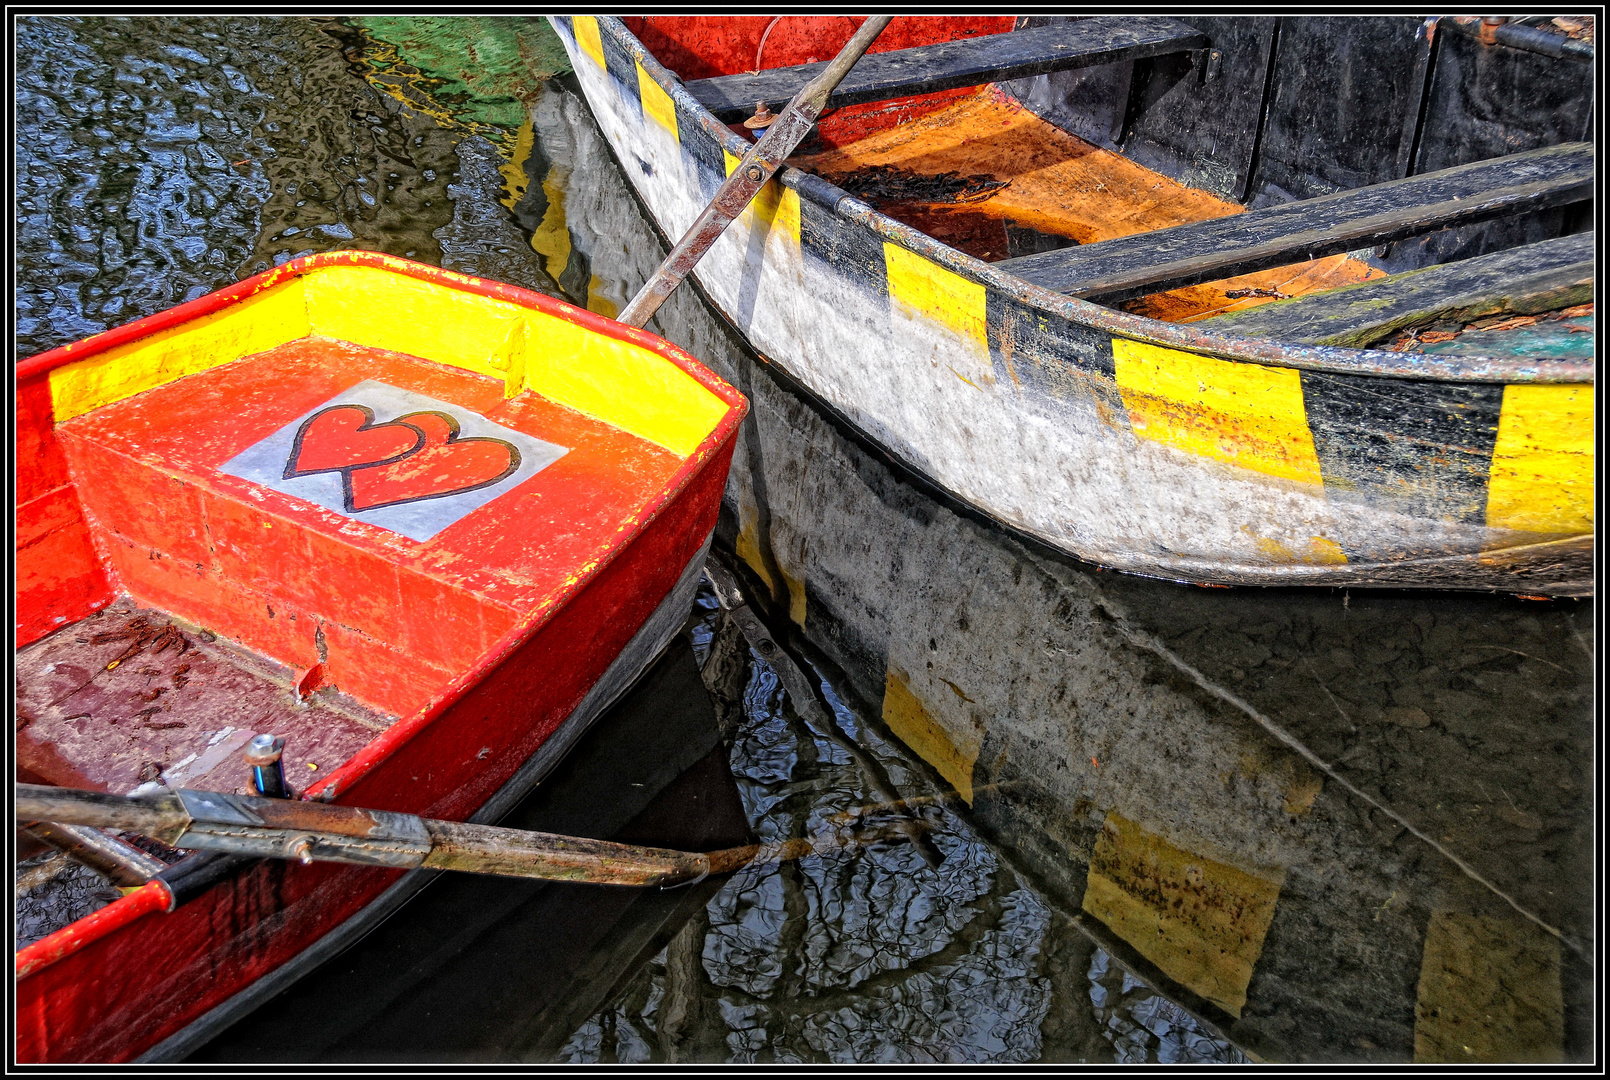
x: 1137, y: 445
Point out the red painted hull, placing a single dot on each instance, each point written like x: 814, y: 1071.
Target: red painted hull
x: 110, y: 987
x: 705, y: 47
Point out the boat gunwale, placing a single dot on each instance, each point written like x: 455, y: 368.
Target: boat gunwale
x: 1331, y: 359
x: 213, y: 302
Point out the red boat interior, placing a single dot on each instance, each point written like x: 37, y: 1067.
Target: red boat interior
x: 130, y: 695
x: 227, y: 609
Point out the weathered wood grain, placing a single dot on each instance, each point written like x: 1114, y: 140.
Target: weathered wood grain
x: 1198, y: 122
x: 1538, y: 277
x: 1130, y: 266
x: 971, y: 62
x: 1483, y: 101
x: 1344, y: 97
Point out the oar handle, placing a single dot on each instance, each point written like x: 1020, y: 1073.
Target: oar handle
x: 757, y: 167
x: 159, y: 816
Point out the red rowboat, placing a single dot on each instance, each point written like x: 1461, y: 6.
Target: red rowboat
x: 425, y: 526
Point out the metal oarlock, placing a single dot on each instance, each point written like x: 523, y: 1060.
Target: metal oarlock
x: 763, y: 119
x: 263, y: 754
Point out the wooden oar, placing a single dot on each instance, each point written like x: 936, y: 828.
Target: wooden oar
x: 310, y: 831
x: 757, y: 167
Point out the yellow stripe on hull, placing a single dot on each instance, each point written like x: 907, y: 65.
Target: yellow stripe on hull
x: 927, y: 289
x: 1541, y: 478
x: 586, y: 28
x: 656, y: 102
x: 1242, y: 414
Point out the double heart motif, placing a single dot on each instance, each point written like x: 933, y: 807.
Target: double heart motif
x: 414, y: 457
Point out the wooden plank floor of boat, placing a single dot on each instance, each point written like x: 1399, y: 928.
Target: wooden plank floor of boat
x: 129, y: 695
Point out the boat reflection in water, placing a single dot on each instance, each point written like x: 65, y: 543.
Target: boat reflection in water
x: 1339, y: 826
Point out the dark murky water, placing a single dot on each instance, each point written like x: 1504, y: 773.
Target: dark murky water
x: 1443, y: 812
x: 159, y: 158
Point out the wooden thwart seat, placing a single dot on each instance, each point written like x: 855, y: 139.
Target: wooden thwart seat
x: 1525, y: 280
x: 952, y: 64
x: 1131, y: 266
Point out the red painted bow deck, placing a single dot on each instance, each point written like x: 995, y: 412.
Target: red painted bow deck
x: 404, y: 517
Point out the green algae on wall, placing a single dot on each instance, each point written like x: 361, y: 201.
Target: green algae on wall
x: 484, y: 68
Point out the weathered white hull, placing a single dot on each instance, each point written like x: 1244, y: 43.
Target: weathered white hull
x: 1044, y: 422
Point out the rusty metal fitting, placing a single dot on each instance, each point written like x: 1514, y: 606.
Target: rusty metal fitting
x: 301, y: 848
x: 264, y: 749
x: 762, y: 119
x: 263, y: 754
x: 1489, y: 29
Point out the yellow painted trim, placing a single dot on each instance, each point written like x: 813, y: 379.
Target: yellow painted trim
x: 787, y: 215
x: 1541, y: 478
x: 796, y: 597
x: 747, y: 542
x: 510, y: 358
x: 1318, y: 551
x: 928, y: 289
x: 373, y: 307
x: 1325, y: 551
x: 777, y: 207
x: 774, y: 205
x: 587, y: 37
x: 1201, y: 921
x: 911, y: 721
x: 657, y: 103
x: 1242, y: 414
x: 622, y: 384
x: 259, y: 323
x: 1489, y: 992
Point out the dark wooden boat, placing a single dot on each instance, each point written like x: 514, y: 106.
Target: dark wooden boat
x: 1225, y: 300
x: 426, y: 527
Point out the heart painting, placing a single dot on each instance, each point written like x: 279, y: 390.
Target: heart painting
x: 414, y: 457
x: 394, y: 459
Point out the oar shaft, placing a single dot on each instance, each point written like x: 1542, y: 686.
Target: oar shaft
x: 123, y: 863
x: 310, y: 831
x: 485, y: 849
x: 757, y: 167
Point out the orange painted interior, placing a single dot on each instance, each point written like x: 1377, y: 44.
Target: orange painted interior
x: 1062, y: 185
x: 392, y: 620
x: 59, y: 575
